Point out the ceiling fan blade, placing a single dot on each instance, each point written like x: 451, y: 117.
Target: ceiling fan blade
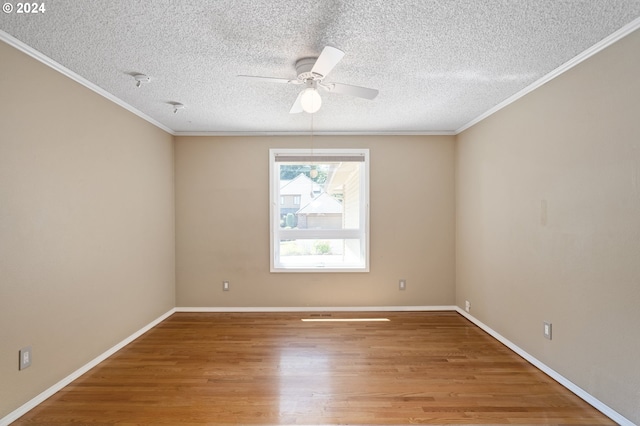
x: 347, y: 89
x: 270, y: 79
x: 297, y: 105
x: 328, y: 59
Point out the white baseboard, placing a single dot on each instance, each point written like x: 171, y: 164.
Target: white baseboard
x: 28, y: 406
x: 597, y: 404
x: 591, y: 400
x: 318, y: 309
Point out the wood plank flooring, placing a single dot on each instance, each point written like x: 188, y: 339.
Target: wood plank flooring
x: 272, y: 368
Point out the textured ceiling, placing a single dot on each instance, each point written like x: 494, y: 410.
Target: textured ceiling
x: 439, y: 65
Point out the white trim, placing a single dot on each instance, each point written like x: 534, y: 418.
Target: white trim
x: 591, y: 400
x: 361, y: 234
x: 28, y: 406
x: 601, y: 45
x: 30, y: 51
x: 321, y: 133
x: 229, y: 309
x: 597, y: 404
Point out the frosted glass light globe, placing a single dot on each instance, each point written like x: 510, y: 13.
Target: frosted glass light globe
x: 310, y: 100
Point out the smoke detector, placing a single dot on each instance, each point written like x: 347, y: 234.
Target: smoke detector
x: 141, y: 78
x: 177, y: 106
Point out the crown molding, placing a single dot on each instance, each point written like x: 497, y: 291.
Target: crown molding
x: 603, y: 44
x: 318, y: 133
x: 28, y: 50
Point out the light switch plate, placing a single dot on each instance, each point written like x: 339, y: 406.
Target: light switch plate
x: 547, y: 330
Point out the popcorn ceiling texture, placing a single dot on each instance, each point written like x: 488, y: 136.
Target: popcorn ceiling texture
x: 438, y: 64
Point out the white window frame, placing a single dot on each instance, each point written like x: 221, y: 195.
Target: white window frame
x: 276, y: 232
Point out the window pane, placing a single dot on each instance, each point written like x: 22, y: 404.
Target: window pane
x: 319, y: 210
x: 319, y: 253
x: 322, y: 195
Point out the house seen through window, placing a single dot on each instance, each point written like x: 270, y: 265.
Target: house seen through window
x: 319, y: 210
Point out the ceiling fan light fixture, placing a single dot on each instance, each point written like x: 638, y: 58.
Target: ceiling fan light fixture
x: 310, y: 100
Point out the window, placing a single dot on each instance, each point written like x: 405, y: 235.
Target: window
x: 319, y: 210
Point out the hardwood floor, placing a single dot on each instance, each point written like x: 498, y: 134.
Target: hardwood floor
x: 273, y: 368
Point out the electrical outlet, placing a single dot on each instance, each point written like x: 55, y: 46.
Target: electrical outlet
x: 402, y: 284
x: 25, y: 358
x: 467, y: 305
x: 546, y: 330
x: 225, y: 285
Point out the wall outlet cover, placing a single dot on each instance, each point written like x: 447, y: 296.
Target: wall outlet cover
x: 402, y: 284
x: 225, y: 285
x: 467, y: 305
x: 25, y: 358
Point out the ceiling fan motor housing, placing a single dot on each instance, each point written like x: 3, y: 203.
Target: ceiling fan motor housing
x: 303, y: 68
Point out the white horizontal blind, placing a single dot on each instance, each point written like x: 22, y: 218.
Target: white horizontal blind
x: 319, y: 158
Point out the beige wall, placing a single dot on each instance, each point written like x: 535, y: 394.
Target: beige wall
x: 572, y: 146
x: 412, y: 225
x: 86, y: 225
x: 540, y: 213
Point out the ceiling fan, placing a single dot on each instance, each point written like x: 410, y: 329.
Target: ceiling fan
x: 311, y: 73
